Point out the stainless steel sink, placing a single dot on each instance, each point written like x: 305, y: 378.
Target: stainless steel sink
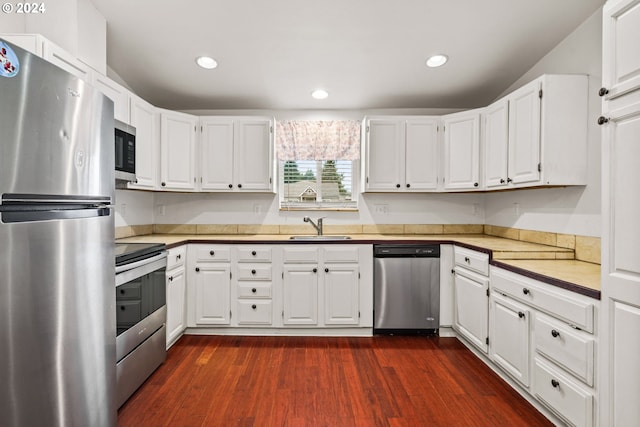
x: 323, y: 237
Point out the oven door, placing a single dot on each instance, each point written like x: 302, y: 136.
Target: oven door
x: 140, y: 302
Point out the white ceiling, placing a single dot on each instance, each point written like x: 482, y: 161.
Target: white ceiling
x: 366, y: 53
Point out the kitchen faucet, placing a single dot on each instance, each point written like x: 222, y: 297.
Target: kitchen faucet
x: 318, y: 227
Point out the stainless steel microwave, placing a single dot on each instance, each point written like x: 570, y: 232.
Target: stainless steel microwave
x: 125, y: 144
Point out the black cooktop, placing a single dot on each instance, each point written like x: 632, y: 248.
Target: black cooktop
x: 130, y: 252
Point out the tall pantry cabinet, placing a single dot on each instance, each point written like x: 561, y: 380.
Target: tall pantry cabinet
x: 620, y: 307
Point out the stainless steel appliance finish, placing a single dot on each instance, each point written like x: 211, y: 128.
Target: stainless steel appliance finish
x: 141, y: 314
x: 125, y: 152
x: 57, y: 300
x: 406, y: 288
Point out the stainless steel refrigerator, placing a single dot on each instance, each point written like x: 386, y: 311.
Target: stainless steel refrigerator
x: 57, y: 290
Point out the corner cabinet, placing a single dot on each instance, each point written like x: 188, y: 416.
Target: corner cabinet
x: 461, y: 147
x: 177, y: 151
x: 236, y: 154
x: 402, y: 154
x: 537, y: 135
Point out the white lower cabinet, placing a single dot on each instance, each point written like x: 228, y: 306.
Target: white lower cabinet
x: 510, y: 337
x: 209, y: 278
x: 252, y: 285
x: 300, y: 292
x: 341, y: 294
x: 550, y: 331
x: 176, y: 294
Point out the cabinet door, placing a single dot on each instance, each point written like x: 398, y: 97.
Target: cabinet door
x: 342, y: 297
x: 462, y: 151
x: 472, y: 309
x: 620, y: 305
x: 177, y: 144
x: 621, y: 60
x: 509, y: 337
x: 175, y: 304
x: 144, y: 117
x: 524, y: 134
x: 496, y: 140
x: 216, y: 154
x: 385, y: 155
x: 254, y: 155
x: 63, y: 59
x: 421, y: 155
x: 213, y: 294
x: 300, y: 287
x: 118, y: 94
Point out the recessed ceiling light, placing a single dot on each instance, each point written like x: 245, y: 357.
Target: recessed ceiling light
x: 319, y: 94
x: 437, y: 60
x: 206, y: 62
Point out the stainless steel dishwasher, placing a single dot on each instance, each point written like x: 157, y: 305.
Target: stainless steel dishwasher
x: 406, y: 289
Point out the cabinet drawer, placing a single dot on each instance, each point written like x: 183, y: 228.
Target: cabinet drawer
x: 300, y: 254
x: 569, y: 348
x: 475, y: 261
x: 558, y: 302
x: 250, y: 253
x: 176, y: 257
x: 213, y: 253
x: 254, y: 312
x: 254, y: 290
x: 254, y: 271
x: 335, y: 254
x: 568, y: 399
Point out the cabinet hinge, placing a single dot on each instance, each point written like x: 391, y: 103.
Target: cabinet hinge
x: 540, y: 94
x: 487, y: 292
x: 358, y: 315
x: 283, y: 314
x: 367, y: 180
x: 230, y: 275
x: 270, y: 180
x: 195, y: 128
x: 487, y: 341
x: 270, y: 129
x: 539, y: 167
x: 201, y: 128
x: 367, y: 129
x: 283, y: 274
x: 200, y: 180
x: 358, y: 275
x: 444, y: 128
x: 230, y: 314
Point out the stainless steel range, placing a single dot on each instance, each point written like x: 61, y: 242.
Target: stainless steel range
x: 141, y: 314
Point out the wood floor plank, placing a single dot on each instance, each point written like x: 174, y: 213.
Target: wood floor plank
x: 393, y: 381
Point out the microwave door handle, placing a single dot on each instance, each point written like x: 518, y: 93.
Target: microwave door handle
x: 131, y: 266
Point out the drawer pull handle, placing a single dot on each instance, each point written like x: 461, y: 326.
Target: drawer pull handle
x: 555, y: 333
x: 526, y: 291
x: 555, y: 383
x: 254, y: 306
x: 178, y: 256
x: 326, y: 270
x: 315, y: 270
x: 254, y: 290
x: 466, y: 259
x: 171, y: 278
x: 520, y: 314
x: 212, y: 253
x: 197, y: 269
x: 253, y: 253
x: 253, y: 272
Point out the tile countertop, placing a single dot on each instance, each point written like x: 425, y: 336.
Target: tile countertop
x: 549, y: 264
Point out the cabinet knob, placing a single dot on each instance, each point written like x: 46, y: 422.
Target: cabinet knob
x: 239, y: 185
x: 466, y: 259
x: 164, y: 184
x: 603, y: 91
x: 254, y: 306
x: 326, y: 270
x: 253, y: 253
x: 122, y: 291
x: 212, y: 253
x: 254, y: 290
x: 526, y: 291
x: 230, y: 185
x: 602, y: 120
x: 397, y: 185
x: 501, y: 181
x: 475, y: 184
x: 315, y: 270
x: 520, y: 314
x: 178, y: 256
x: 122, y: 308
x: 555, y: 383
x: 253, y: 272
x: 408, y: 185
x: 509, y: 180
x: 197, y: 269
x: 555, y: 333
x: 171, y: 278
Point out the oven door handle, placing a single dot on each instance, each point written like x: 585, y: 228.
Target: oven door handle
x: 131, y: 266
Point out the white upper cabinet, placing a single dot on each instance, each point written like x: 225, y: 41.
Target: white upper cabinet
x: 621, y: 56
x: 177, y: 150
x: 63, y: 59
x: 537, y: 135
x: 146, y: 119
x: 236, y: 154
x: 118, y: 94
x: 462, y: 151
x: 401, y: 154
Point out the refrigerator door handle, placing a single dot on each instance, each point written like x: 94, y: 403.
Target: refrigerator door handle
x: 13, y: 199
x: 16, y: 216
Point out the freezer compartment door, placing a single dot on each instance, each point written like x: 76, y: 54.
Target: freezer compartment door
x: 57, y: 323
x: 57, y: 132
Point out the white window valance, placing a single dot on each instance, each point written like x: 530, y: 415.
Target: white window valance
x: 318, y: 140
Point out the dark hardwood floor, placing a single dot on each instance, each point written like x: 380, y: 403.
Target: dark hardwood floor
x: 317, y: 381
